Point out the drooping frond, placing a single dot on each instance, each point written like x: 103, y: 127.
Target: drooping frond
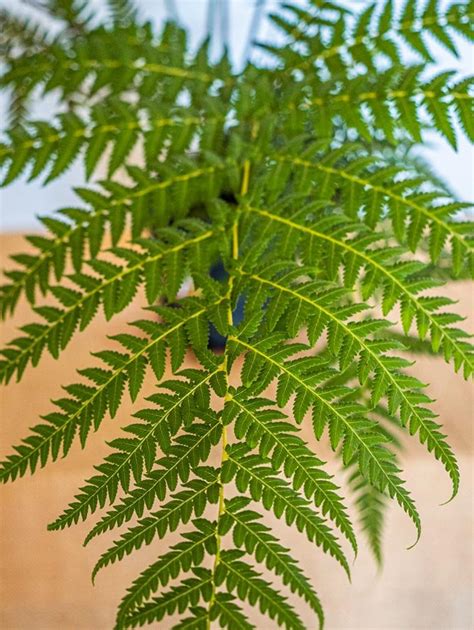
x: 374, y: 194
x: 361, y: 38
x: 347, y: 422
x: 115, y: 127
x: 179, y: 598
x: 370, y: 504
x: 237, y: 574
x: 259, y: 425
x: 114, y: 287
x: 364, y: 256
x: 396, y: 102
x: 82, y: 238
x: 252, y: 473
x: 315, y: 305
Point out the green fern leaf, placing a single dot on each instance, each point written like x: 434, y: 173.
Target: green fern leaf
x: 185, y: 453
x: 256, y: 539
x: 183, y: 555
x: 251, y: 473
x: 349, y: 421
x: 87, y: 408
x: 238, y: 575
x: 286, y: 199
x: 177, y: 511
x: 265, y: 428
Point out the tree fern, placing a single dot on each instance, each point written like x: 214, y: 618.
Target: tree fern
x: 289, y: 175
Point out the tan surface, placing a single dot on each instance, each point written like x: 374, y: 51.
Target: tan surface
x: 44, y: 576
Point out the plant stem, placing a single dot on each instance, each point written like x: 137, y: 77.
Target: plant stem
x: 228, y: 396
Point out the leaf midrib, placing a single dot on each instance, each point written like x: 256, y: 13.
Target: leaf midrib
x: 113, y: 517
x: 349, y: 534
x: 414, y: 410
x: 405, y: 501
x: 371, y: 261
x: 98, y: 391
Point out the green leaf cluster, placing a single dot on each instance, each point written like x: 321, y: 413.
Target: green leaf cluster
x: 298, y: 176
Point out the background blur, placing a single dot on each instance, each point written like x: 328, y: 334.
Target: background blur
x: 21, y: 202
x: 44, y: 577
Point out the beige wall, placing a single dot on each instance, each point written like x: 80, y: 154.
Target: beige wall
x: 44, y: 577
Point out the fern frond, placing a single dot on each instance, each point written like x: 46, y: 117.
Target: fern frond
x: 88, y: 228
x: 88, y: 404
x: 287, y: 194
x: 368, y: 106
x: 276, y: 440
x: 184, y: 555
x: 248, y: 532
x: 252, y: 473
x: 179, y: 598
x: 349, y: 340
x: 237, y: 574
x: 107, y: 63
x: 185, y: 453
x: 403, y: 207
x: 399, y: 280
x: 370, y: 505
x: 133, y: 455
x: 360, y: 41
x: 116, y: 127
x: 348, y: 421
x: 228, y: 613
x: 193, y: 500
x: 114, y: 288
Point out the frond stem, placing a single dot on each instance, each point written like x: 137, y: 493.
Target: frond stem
x: 224, y: 455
